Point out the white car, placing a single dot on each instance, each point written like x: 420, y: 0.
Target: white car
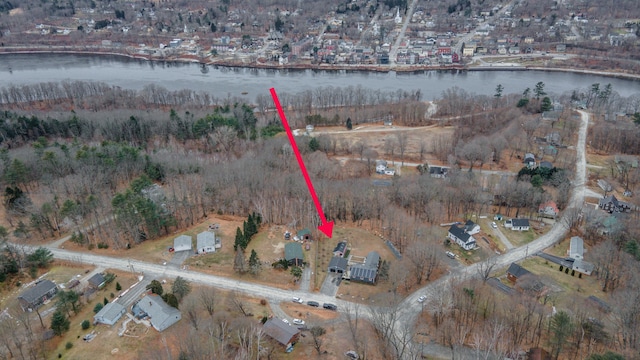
x: 298, y: 322
x: 286, y: 321
x: 422, y: 298
x: 297, y: 300
x: 494, y: 225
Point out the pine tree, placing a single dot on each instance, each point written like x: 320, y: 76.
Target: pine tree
x: 240, y: 241
x: 254, y: 263
x: 349, y: 124
x: 239, y: 263
x: 59, y: 323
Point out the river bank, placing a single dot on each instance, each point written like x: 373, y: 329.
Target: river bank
x: 307, y: 66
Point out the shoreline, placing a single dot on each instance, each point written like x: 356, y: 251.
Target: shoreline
x: 321, y: 67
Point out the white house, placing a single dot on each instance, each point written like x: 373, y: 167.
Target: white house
x: 381, y: 166
x: 462, y: 238
x: 182, y: 243
x: 576, y: 248
x: 517, y: 224
x: 206, y: 242
x: 471, y: 228
x: 390, y: 171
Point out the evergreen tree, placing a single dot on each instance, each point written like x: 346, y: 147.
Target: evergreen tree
x: 156, y: 287
x: 240, y: 242
x: 59, y: 323
x: 170, y: 299
x: 97, y: 308
x: 254, y: 262
x: 314, y: 145
x: 349, y: 124
x: 546, y: 104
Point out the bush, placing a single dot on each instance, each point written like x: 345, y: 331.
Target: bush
x: 263, y: 302
x: 98, y: 307
x: 86, y: 324
x: 118, y: 286
x: 68, y: 345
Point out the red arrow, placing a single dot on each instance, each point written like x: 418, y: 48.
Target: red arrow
x: 326, y: 227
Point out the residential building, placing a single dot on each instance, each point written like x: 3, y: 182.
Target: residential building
x: 471, y: 228
x: 293, y: 253
x: 576, y: 248
x: 206, y: 242
x: 517, y: 224
x: 160, y: 315
x: 515, y: 271
x: 110, y: 314
x: 96, y: 281
x: 368, y: 271
x: 529, y: 160
x: 340, y: 249
x: 462, y: 238
x: 182, y: 243
x: 438, y: 172
x: 281, y: 332
x: 548, y: 209
x: 304, y: 234
x: 37, y: 295
x: 611, y: 204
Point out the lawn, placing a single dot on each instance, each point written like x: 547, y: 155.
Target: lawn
x: 519, y: 238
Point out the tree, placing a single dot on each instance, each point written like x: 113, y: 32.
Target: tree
x: 254, y: 263
x: 240, y: 241
x: 156, y: 287
x: 296, y: 272
x: 181, y: 288
x: 97, y: 308
x: 171, y: 300
x: 41, y: 258
x: 316, y: 332
x: 239, y: 262
x: 279, y: 24
x: 59, y: 323
x: 86, y: 324
x: 314, y: 145
x: 486, y: 267
x: 538, y: 91
x: 118, y: 286
x: 349, y: 124
x: 609, y: 355
x: 499, y: 90
x: 546, y: 104
x: 207, y: 297
x: 561, y: 328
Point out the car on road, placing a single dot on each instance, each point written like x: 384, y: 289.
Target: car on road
x: 494, y: 225
x: 422, y: 298
x: 286, y: 321
x: 330, y: 306
x: 297, y: 300
x: 313, y: 303
x: 298, y: 322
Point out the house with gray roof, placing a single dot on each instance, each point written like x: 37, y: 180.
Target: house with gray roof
x: 338, y: 264
x: 461, y: 237
x: 160, y: 315
x: 281, y: 332
x: 206, y: 242
x: 366, y: 272
x: 340, y: 249
x: 576, y: 248
x: 293, y: 253
x: 517, y: 224
x: 182, y: 243
x: 97, y: 281
x: 37, y: 295
x: 110, y: 314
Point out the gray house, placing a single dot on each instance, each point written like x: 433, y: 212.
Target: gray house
x: 159, y: 313
x: 182, y: 243
x: 293, y: 253
x: 368, y: 271
x: 281, y: 332
x: 206, y: 242
x: 96, y: 281
x: 35, y: 296
x: 338, y: 264
x: 110, y: 314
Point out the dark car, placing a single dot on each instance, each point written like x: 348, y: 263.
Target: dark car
x: 313, y: 303
x: 329, y: 306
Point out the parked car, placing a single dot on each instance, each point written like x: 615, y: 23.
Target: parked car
x: 313, y: 303
x: 451, y: 255
x: 422, y: 298
x: 330, y: 306
x: 298, y: 322
x: 286, y: 321
x: 297, y: 300
x: 494, y: 225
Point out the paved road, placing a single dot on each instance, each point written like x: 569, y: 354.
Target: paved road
x: 507, y: 244
x: 407, y: 19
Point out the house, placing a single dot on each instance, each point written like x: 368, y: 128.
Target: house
x: 611, y: 205
x: 205, y: 242
x: 96, y: 281
x: 517, y: 224
x: 304, y: 234
x: 460, y: 237
x: 545, y: 165
x: 338, y: 264
x: 368, y: 271
x: 471, y: 228
x: 281, y: 332
x: 33, y: 297
x: 159, y: 313
x: 515, y: 271
x: 438, y: 172
x: 390, y: 171
x: 182, y: 243
x: 576, y: 248
x: 293, y: 253
x: 381, y: 166
x: 110, y: 314
x: 582, y: 267
x: 340, y: 249
x: 529, y: 160
x: 548, y: 209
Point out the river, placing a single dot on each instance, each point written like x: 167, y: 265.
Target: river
x: 20, y: 69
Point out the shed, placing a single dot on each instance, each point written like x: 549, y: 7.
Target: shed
x: 515, y: 271
x: 293, y: 253
x: 340, y: 249
x: 206, y: 242
x: 96, y: 281
x: 281, y: 332
x: 182, y: 243
x: 110, y: 313
x: 35, y: 296
x: 576, y: 248
x: 338, y: 264
x: 304, y: 234
x: 159, y: 313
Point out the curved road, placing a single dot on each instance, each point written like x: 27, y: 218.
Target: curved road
x: 409, y: 306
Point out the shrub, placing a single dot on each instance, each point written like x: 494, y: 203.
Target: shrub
x: 86, y: 324
x: 68, y: 345
x: 263, y: 302
x: 118, y: 286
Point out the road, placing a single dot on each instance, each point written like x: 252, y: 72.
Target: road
x: 393, y: 53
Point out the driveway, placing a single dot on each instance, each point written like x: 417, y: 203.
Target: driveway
x: 507, y: 244
x: 179, y: 257
x: 305, y: 281
x: 331, y: 284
